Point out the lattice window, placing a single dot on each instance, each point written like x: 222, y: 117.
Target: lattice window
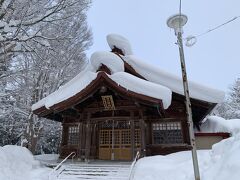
x: 137, y: 137
x: 104, y: 137
x: 167, y: 133
x: 126, y: 137
x: 73, y: 135
x: 117, y: 137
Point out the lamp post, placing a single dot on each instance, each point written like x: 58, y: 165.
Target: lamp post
x: 176, y: 22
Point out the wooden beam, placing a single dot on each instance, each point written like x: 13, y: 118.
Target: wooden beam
x: 97, y: 109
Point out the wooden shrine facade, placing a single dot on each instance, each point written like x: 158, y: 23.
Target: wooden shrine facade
x: 106, y: 121
x: 118, y: 134
x: 111, y: 125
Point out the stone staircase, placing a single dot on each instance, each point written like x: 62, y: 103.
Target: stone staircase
x: 95, y: 170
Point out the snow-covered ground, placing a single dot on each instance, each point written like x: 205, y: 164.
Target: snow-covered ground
x: 17, y: 163
x: 221, y: 163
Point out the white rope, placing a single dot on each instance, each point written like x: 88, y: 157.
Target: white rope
x: 219, y: 26
x: 191, y: 40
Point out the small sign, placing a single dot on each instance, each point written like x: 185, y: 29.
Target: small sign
x: 108, y: 102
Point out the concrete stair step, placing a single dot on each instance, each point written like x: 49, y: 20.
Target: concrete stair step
x: 97, y: 171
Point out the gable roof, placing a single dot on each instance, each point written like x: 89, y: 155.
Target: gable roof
x: 122, y: 81
x: 150, y: 83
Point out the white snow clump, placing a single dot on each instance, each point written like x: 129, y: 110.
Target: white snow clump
x: 111, y: 60
x: 119, y: 42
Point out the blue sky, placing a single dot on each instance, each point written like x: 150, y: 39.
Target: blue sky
x: 214, y: 60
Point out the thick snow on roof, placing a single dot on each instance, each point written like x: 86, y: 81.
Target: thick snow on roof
x: 120, y: 42
x: 216, y: 124
x: 126, y: 80
x: 144, y: 87
x: 111, y: 60
x: 160, y: 84
x: 174, y: 82
x: 71, y: 88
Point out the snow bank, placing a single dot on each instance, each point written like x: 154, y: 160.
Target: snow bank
x: 111, y: 60
x: 225, y: 160
x: 17, y: 163
x: 218, y: 124
x: 144, y: 87
x: 222, y: 163
x: 174, y: 82
x: 171, y: 167
x: 47, y: 157
x: 120, y: 42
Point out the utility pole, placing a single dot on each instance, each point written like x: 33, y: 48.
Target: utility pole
x: 177, y: 22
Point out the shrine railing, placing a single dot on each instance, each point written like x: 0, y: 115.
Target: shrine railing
x: 56, y: 171
x: 131, y: 173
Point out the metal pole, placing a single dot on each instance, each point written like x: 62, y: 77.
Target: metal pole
x: 188, y: 108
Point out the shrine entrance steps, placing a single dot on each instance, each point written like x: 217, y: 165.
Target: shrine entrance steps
x: 107, y: 170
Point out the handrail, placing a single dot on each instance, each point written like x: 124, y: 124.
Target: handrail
x: 60, y: 164
x: 133, y: 165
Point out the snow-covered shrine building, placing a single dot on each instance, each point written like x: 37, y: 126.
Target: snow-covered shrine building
x: 119, y: 105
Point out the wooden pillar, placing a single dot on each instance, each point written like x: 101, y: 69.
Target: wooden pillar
x: 88, y: 139
x: 80, y: 140
x: 94, y: 144
x: 143, y: 138
x: 64, y: 134
x: 132, y: 134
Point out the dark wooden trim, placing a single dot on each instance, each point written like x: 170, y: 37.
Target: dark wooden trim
x: 126, y: 108
x: 117, y: 51
x: 104, y: 68
x: 166, y: 149
x: 221, y: 134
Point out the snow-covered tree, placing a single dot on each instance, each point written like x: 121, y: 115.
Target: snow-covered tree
x: 49, y: 39
x: 230, y: 109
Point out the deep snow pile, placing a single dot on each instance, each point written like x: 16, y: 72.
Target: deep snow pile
x: 219, y: 124
x: 221, y: 163
x: 17, y: 163
x: 111, y: 60
x: 119, y: 42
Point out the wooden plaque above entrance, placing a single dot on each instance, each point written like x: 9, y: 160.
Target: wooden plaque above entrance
x: 108, y: 102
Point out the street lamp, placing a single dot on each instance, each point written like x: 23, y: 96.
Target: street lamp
x: 176, y: 22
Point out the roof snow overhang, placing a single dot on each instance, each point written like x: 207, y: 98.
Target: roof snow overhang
x: 101, y: 79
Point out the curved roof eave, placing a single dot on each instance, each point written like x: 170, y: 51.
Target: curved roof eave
x: 101, y: 78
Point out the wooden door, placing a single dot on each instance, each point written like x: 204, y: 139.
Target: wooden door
x: 117, y: 146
